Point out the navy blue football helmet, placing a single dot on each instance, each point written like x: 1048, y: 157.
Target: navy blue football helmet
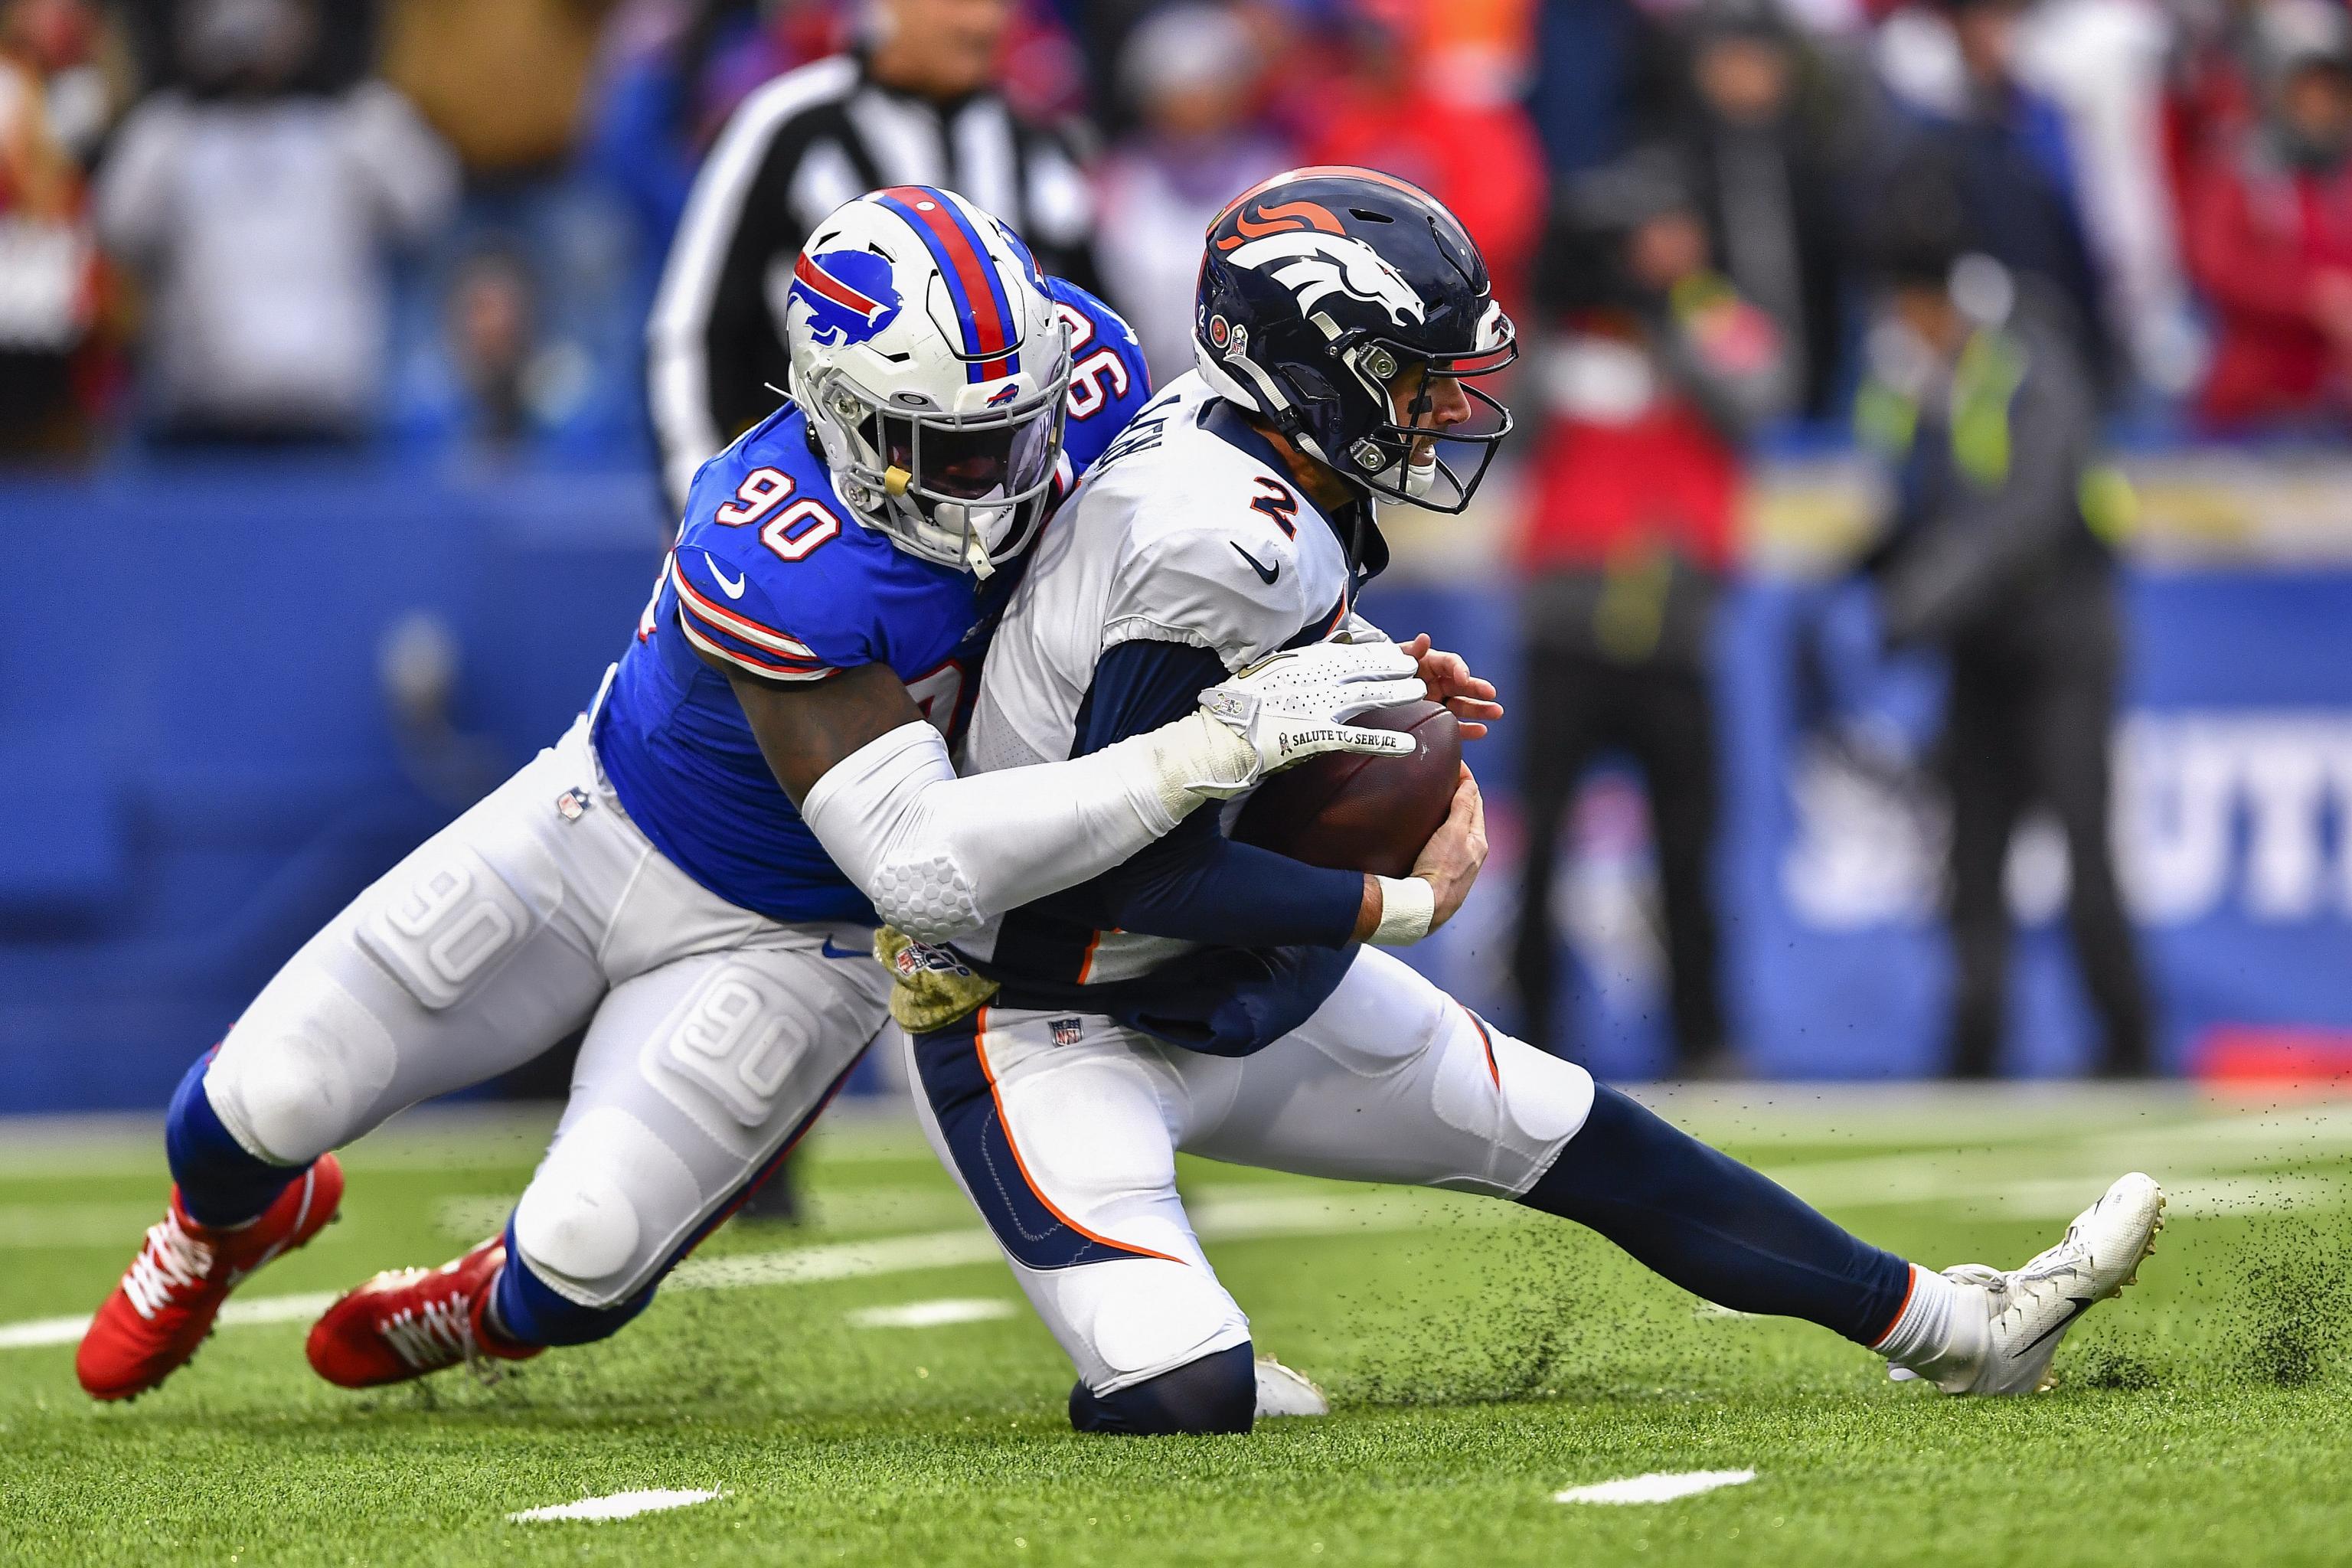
x: 1321, y: 291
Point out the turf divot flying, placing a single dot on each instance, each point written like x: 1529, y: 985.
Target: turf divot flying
x: 1658, y: 1486
x: 620, y: 1505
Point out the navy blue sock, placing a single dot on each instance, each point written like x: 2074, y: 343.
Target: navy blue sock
x: 1216, y: 1393
x: 1716, y: 1227
x: 220, y: 1183
x: 526, y: 1311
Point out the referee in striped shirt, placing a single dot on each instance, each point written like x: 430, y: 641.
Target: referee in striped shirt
x: 915, y: 105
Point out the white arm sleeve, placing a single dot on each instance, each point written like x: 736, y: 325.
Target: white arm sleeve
x: 941, y: 855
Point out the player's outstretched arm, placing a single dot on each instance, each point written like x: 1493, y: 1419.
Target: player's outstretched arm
x: 942, y: 855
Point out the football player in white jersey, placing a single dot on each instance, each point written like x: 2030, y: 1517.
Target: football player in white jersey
x: 1214, y: 997
x: 694, y: 871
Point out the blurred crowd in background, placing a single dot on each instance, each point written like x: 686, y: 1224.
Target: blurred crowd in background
x: 438, y: 223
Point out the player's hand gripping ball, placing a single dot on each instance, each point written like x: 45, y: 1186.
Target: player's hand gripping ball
x: 1356, y: 813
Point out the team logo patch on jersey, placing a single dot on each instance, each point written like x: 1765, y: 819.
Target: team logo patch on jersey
x: 1313, y: 266
x: 847, y: 294
x: 917, y: 958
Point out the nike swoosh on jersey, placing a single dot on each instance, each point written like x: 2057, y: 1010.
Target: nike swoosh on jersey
x: 829, y: 950
x: 1266, y: 573
x: 732, y: 590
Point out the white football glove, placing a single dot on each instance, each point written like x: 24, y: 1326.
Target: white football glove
x: 1286, y: 708
x: 1292, y: 705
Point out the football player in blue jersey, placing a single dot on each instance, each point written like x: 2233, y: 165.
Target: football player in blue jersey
x: 694, y: 871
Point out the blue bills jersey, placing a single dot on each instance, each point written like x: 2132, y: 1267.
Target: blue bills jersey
x: 772, y: 575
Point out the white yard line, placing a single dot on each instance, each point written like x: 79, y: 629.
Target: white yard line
x: 840, y: 1260
x: 933, y: 1314
x: 620, y: 1505
x: 35, y: 1332
x: 1659, y: 1486
x: 235, y: 1315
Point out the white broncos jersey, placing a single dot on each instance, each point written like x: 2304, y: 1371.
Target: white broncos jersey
x: 1188, y: 529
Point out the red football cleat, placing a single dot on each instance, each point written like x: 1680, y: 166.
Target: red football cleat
x: 407, y: 1322
x: 160, y: 1314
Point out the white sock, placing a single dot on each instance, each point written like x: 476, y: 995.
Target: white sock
x: 1941, y: 1322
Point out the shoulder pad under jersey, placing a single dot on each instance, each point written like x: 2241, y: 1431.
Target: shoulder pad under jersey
x: 768, y: 568
x: 1108, y: 380
x: 1216, y: 549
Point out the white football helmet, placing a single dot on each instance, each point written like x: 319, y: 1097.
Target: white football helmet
x: 933, y: 368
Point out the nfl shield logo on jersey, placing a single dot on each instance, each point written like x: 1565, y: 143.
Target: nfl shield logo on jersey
x: 1067, y: 1031
x: 847, y: 294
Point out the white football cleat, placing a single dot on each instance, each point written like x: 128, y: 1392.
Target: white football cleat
x: 2029, y: 1310
x: 1281, y: 1392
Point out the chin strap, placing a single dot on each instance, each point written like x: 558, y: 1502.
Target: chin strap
x: 975, y: 552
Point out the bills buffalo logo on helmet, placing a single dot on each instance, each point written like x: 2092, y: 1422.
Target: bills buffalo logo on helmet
x: 847, y: 294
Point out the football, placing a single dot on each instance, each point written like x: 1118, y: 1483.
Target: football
x: 1356, y: 813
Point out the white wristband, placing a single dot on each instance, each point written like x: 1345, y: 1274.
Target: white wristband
x: 1407, y: 908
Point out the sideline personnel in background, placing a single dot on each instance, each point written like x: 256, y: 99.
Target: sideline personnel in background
x: 914, y: 105
x: 2000, y: 552
x: 1659, y: 372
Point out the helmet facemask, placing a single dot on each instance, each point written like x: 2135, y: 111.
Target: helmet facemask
x: 1406, y: 458
x: 964, y: 488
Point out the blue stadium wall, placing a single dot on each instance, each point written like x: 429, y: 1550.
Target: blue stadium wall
x: 198, y: 766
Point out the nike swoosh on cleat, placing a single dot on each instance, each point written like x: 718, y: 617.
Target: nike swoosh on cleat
x: 2082, y: 1304
x: 1266, y: 574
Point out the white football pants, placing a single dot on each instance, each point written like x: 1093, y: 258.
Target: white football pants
x: 715, y: 1035
x: 1063, y: 1130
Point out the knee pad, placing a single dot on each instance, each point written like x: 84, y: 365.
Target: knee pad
x: 1128, y: 1322
x: 1217, y: 1393
x: 302, y: 1071
x: 530, y: 1311
x: 602, y: 1212
x: 1525, y: 1102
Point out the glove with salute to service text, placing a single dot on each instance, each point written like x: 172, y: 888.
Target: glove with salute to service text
x: 1283, y: 708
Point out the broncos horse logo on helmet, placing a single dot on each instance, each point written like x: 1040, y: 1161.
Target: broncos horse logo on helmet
x: 1328, y: 294
x: 1313, y: 266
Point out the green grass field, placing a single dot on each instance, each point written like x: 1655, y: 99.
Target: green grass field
x: 1479, y: 1358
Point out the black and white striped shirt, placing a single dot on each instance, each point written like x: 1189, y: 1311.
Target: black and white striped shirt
x: 795, y: 150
